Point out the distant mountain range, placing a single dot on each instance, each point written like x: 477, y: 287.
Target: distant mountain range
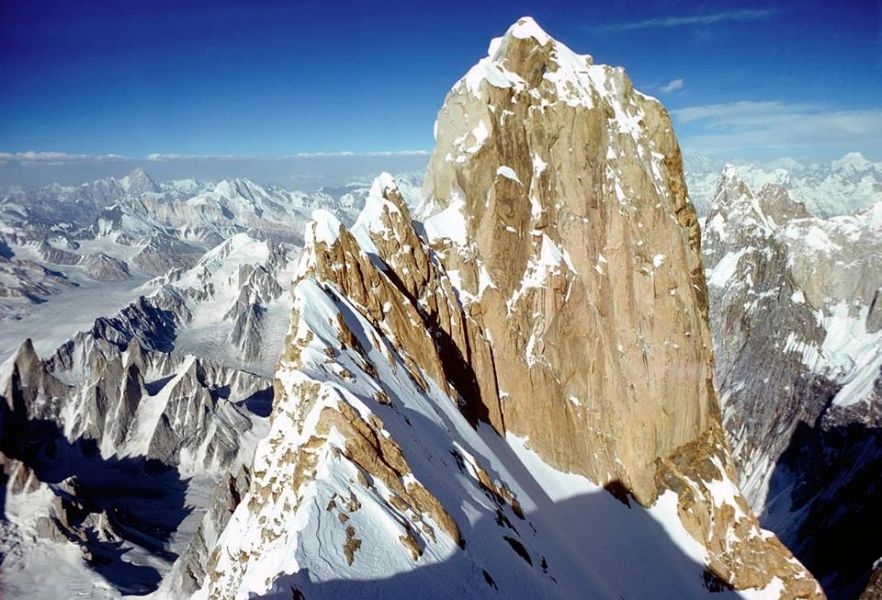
x: 839, y: 187
x: 59, y: 237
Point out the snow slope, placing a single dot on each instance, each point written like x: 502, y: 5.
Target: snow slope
x: 373, y: 484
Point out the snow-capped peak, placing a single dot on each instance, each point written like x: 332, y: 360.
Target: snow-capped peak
x: 384, y: 199
x: 568, y: 71
x: 730, y: 171
x: 853, y: 162
x: 236, y: 243
x: 138, y: 181
x: 376, y: 203
x: 381, y: 183
x: 527, y: 27
x: 325, y: 228
x: 730, y: 185
x: 237, y: 187
x: 839, y: 187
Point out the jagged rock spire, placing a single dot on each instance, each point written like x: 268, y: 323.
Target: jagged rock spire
x: 554, y: 292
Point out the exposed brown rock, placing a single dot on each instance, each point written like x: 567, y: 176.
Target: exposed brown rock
x: 352, y: 544
x: 379, y: 456
x: 741, y: 555
x: 605, y: 331
x: 873, y: 591
x: 605, y: 362
x: 571, y: 310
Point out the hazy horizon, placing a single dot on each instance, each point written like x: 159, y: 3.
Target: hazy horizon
x: 305, y: 173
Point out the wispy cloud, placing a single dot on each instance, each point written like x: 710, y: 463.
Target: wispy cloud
x: 57, y: 158
x: 33, y: 157
x: 369, y: 154
x: 743, y: 112
x: 747, y: 14
x: 306, y: 170
x: 673, y: 86
x: 774, y: 127
x: 158, y: 156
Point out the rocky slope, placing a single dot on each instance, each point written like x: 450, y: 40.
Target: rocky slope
x: 798, y: 339
x: 30, y: 281
x: 438, y: 425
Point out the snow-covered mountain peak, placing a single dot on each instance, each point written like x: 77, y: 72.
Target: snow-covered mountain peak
x: 324, y: 228
x: 729, y: 172
x: 383, y: 200
x: 527, y: 58
x: 241, y: 248
x: 729, y: 185
x: 840, y: 187
x: 527, y: 27
x: 238, y: 187
x: 853, y: 162
x: 526, y: 239
x: 138, y: 181
x: 383, y: 182
x: 739, y: 211
x: 135, y: 174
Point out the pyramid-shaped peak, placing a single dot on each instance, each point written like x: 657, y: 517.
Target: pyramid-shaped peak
x: 730, y: 185
x: 384, y: 190
x: 853, y: 161
x: 730, y: 171
x: 383, y: 201
x: 525, y: 56
x: 26, y: 352
x: 527, y: 27
x: 138, y: 181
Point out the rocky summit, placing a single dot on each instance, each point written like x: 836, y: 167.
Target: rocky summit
x: 510, y: 392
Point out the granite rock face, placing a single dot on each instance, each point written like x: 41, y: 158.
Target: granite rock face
x: 179, y: 410
x: 577, y: 241
x: 576, y: 233
x: 548, y: 308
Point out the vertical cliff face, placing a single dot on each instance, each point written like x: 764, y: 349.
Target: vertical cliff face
x: 581, y: 253
x: 456, y: 392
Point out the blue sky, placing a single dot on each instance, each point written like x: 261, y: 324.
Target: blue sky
x: 266, y: 78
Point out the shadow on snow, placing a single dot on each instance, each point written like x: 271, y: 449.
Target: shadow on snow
x: 140, y: 501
